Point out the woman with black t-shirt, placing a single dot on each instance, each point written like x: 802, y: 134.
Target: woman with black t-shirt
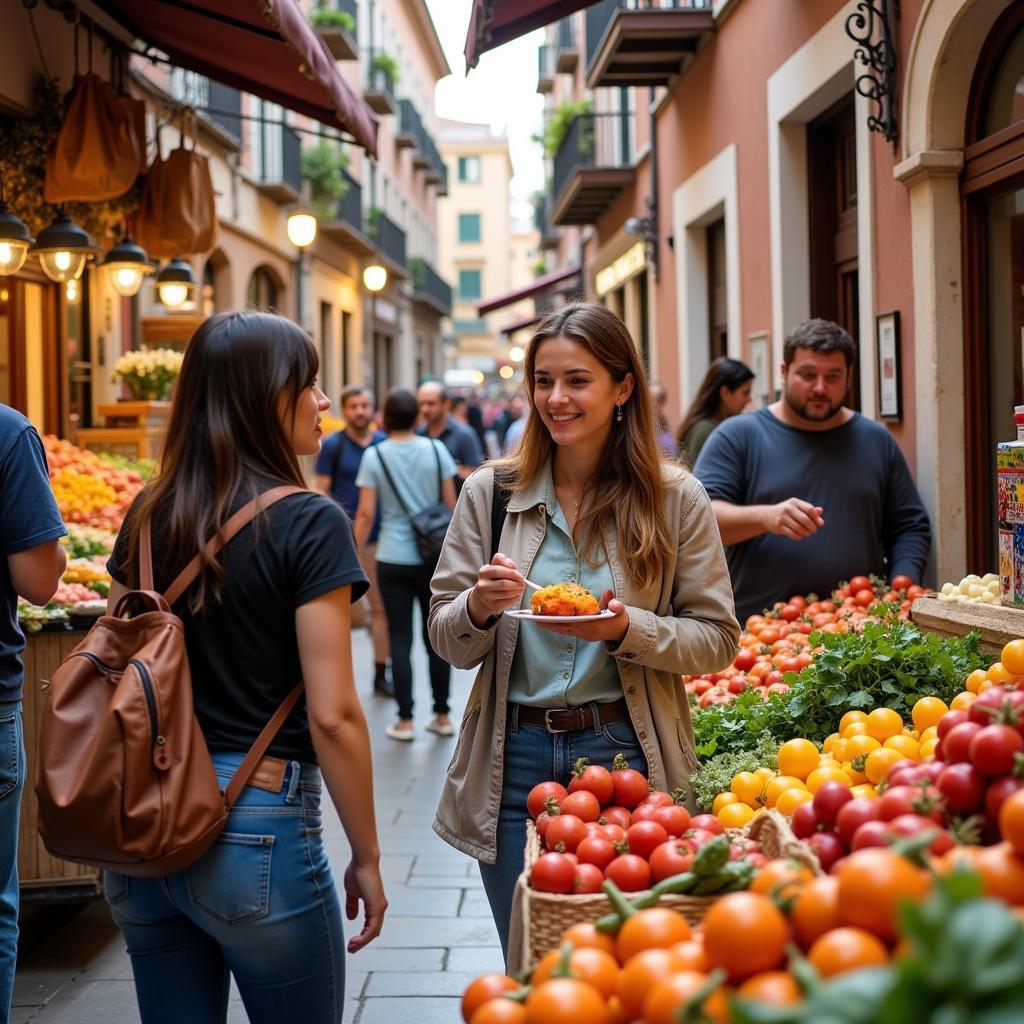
x: 271, y: 609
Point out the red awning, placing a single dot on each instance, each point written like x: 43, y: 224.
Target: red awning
x: 518, y: 325
x: 493, y: 22
x: 541, y: 284
x: 264, y: 47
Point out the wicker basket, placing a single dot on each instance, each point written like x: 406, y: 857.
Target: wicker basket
x: 540, y: 918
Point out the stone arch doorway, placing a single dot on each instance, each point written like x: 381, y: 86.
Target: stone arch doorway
x: 265, y: 290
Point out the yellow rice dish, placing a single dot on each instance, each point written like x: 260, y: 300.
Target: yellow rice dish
x: 564, y: 599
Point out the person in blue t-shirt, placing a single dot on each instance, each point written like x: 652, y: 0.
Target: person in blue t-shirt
x: 807, y: 492
x: 423, y: 471
x: 30, y: 528
x: 336, y: 469
x: 461, y: 440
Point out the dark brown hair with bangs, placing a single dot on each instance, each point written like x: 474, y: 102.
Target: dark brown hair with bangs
x: 224, y: 431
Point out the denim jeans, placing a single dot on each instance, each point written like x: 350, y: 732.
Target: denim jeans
x: 401, y: 586
x: 12, y: 782
x: 533, y: 755
x: 260, y: 903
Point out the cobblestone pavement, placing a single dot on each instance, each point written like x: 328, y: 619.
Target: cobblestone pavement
x: 438, y: 934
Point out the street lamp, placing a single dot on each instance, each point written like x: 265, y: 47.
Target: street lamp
x: 14, y: 242
x: 175, y: 283
x: 62, y: 248
x: 302, y: 234
x: 127, y: 264
x: 375, y: 277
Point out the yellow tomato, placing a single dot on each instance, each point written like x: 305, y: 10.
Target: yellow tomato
x: 878, y: 763
x: 998, y: 674
x: 883, y: 723
x: 830, y: 741
x: 1013, y: 657
x: 906, y: 745
x: 748, y: 787
x: 857, y: 775
x: 820, y: 776
x: 839, y: 749
x: 722, y: 799
x: 859, y: 746
x: 765, y: 774
x: 735, y: 815
x: 798, y: 757
x: 962, y: 701
x: 828, y: 762
x: 930, y: 733
x: 928, y: 748
x: 779, y: 785
x: 975, y: 679
x: 791, y: 799
x: 850, y: 717
x: 865, y: 790
x: 986, y: 684
x: 855, y: 729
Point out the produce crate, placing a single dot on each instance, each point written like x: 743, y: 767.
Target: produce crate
x: 997, y: 624
x: 540, y: 918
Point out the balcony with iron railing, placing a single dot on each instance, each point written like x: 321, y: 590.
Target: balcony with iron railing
x: 429, y: 287
x: 379, y: 87
x: 567, y: 52
x: 278, y: 161
x: 336, y: 21
x: 643, y: 42
x: 388, y: 238
x: 549, y: 234
x: 545, y: 68
x: 348, y: 225
x: 592, y: 166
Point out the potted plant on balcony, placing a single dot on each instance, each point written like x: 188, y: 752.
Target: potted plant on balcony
x: 558, y: 127
x: 323, y: 16
x: 148, y: 375
x: 387, y: 66
x: 323, y: 166
x: 373, y: 215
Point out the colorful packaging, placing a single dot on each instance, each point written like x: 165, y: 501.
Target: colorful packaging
x: 1010, y: 490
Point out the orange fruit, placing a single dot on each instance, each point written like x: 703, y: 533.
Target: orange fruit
x: 962, y: 701
x: 778, y: 786
x: 928, y: 748
x: 765, y: 774
x: 748, y: 788
x: 1012, y: 657
x: 722, y: 800
x: 820, y: 776
x: 878, y: 763
x: 883, y: 723
x: 847, y: 949
x: 773, y: 988
x: 850, y: 717
x: 906, y: 745
x: 927, y: 712
x: 798, y: 757
x: 791, y: 799
x: 975, y: 679
x: 864, y: 789
x: 855, y: 729
x: 859, y: 746
x: 998, y: 674
x: 830, y: 741
x: 735, y: 815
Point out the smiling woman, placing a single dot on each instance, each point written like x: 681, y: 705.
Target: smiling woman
x: 592, y: 503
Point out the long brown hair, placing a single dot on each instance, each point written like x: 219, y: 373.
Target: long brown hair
x: 723, y: 372
x: 628, y: 487
x: 224, y: 430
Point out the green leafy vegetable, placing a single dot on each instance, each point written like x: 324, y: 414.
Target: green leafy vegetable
x: 716, y: 774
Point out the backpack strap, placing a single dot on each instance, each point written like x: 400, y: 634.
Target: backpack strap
x: 249, y: 511
x: 499, y: 510
x: 338, y: 452
x: 259, y: 747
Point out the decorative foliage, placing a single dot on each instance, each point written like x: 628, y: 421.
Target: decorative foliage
x: 24, y: 143
x: 386, y: 65
x: 148, y: 374
x: 322, y: 167
x: 323, y: 16
x: 558, y: 125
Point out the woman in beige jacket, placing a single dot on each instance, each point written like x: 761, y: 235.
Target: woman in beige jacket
x: 590, y: 500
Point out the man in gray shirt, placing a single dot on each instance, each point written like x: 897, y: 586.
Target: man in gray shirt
x: 438, y: 422
x: 808, y: 492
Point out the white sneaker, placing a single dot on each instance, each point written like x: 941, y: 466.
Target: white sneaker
x: 404, y: 735
x: 438, y: 729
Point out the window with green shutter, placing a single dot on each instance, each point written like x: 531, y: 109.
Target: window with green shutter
x: 469, y: 285
x: 469, y: 227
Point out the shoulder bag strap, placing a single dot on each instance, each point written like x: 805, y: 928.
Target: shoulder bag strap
x: 249, y: 511
x: 146, y: 556
x: 499, y: 510
x: 259, y: 747
x: 338, y: 452
x: 440, y: 479
x: 387, y: 473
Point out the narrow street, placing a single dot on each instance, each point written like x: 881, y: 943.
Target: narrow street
x: 437, y: 937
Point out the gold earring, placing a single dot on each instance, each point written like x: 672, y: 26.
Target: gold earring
x: 618, y: 414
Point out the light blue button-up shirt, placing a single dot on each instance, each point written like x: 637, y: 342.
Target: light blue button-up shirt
x: 550, y: 670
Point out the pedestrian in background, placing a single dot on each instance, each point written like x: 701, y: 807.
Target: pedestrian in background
x: 438, y: 422
x: 807, y: 491
x: 273, y: 608
x: 336, y: 469
x: 592, y: 501
x: 460, y: 409
x: 665, y: 440
x: 724, y: 392
x: 423, y: 472
x: 33, y: 563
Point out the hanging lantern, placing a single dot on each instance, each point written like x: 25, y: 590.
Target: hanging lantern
x: 175, y: 283
x: 127, y: 264
x: 62, y: 249
x: 14, y: 242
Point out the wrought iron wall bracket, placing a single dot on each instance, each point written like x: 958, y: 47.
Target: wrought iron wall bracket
x: 872, y: 27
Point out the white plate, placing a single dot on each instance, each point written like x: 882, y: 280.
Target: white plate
x: 527, y: 616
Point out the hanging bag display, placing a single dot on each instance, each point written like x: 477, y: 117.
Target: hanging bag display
x: 101, y: 147
x: 123, y: 777
x: 178, y: 211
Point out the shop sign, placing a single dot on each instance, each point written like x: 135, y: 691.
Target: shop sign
x: 632, y: 261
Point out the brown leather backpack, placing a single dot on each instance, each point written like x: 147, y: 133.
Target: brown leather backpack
x: 124, y: 777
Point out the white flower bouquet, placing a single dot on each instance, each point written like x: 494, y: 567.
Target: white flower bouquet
x: 149, y: 374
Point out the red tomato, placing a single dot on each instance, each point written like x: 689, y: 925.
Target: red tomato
x: 630, y: 786
x: 790, y: 612
x: 926, y: 801
x: 553, y: 872
x: 962, y: 786
x: 658, y: 798
x: 827, y: 847
x: 565, y: 833
x: 907, y: 825
x: 914, y: 592
x: 997, y: 793
x: 675, y: 820
x: 645, y: 812
x: 988, y: 704
x: 790, y: 664
x: 851, y: 816
x: 828, y: 800
x: 629, y: 872
x: 616, y: 816
x: 588, y: 879
x: 804, y: 821
x: 901, y: 582
x: 670, y: 859
x: 537, y: 800
x: 871, y: 833
x: 995, y: 748
x: 582, y: 803
x: 645, y: 837
x: 856, y: 584
x: 745, y: 660
x: 948, y: 720
x: 956, y: 744
x: 596, y: 851
x: 865, y: 598
x: 709, y: 823
x: 594, y: 778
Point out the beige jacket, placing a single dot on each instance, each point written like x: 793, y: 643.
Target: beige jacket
x: 685, y: 626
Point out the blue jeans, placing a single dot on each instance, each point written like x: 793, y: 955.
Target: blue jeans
x: 12, y: 782
x: 533, y: 755
x: 260, y: 903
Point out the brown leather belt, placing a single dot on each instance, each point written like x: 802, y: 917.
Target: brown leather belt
x: 269, y: 774
x: 570, y: 719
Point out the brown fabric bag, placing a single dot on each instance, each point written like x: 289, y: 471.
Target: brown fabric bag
x: 178, y: 209
x: 99, y: 152
x: 123, y: 775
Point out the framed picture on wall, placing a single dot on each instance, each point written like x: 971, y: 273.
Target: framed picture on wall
x: 887, y: 346
x: 758, y: 348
